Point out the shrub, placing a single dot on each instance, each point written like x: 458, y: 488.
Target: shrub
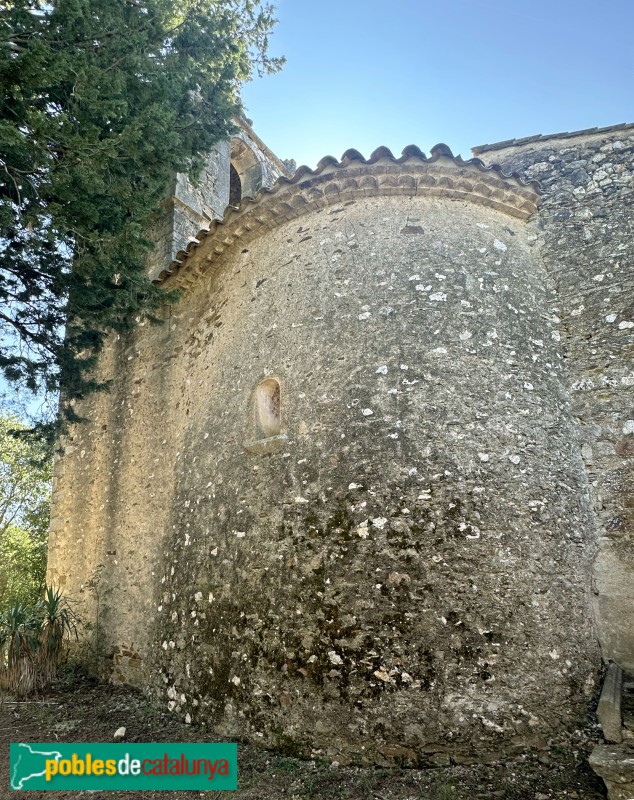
x: 18, y: 647
x: 32, y: 642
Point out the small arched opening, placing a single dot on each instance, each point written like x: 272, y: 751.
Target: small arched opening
x: 268, y: 407
x: 235, y: 186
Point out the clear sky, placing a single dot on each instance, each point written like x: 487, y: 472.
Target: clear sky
x: 463, y: 72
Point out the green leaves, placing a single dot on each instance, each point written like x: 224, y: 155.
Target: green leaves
x: 56, y: 622
x: 25, y: 475
x: 18, y: 648
x: 102, y: 101
x: 32, y: 642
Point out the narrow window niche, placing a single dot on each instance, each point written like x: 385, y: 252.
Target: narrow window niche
x: 268, y: 418
x: 267, y: 398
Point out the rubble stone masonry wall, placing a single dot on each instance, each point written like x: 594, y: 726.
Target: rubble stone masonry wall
x: 586, y: 230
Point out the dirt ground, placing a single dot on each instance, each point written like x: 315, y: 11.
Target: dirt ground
x: 78, y: 710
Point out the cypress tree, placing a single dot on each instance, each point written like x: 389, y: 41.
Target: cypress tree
x: 101, y: 102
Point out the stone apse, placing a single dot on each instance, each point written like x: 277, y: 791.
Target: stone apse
x: 356, y: 496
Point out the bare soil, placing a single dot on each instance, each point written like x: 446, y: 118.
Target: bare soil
x: 79, y: 710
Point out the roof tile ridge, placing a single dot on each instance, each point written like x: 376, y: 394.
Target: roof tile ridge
x: 542, y: 137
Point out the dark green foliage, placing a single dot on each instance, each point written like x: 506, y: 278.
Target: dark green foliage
x: 101, y: 102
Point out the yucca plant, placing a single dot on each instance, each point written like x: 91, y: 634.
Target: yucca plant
x: 19, y: 630
x: 57, y: 622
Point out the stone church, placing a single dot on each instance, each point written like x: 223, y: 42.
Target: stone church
x: 366, y: 493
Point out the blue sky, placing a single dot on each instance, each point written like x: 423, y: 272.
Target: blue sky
x: 465, y: 72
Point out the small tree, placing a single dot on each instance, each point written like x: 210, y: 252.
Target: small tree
x: 56, y: 622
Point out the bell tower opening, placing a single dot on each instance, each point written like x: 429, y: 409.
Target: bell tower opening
x: 245, y: 172
x: 235, y: 186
